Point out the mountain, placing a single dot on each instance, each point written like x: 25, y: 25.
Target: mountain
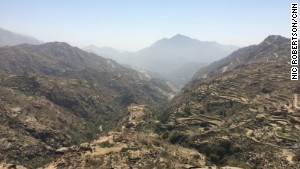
x: 167, y: 55
x: 54, y: 96
x: 61, y: 107
x: 267, y: 51
x: 175, y: 59
x: 8, y: 38
x: 245, y: 113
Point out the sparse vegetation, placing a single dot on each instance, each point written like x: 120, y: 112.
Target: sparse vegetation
x: 297, y: 156
x: 177, y: 137
x: 106, y: 144
x: 241, y: 111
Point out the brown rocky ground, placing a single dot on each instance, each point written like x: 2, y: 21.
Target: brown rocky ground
x: 248, y: 117
x: 130, y: 148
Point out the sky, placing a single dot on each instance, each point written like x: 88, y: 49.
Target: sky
x: 134, y: 24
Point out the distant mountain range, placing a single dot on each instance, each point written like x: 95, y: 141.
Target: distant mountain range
x: 169, y: 57
x: 8, y: 38
x: 106, y: 52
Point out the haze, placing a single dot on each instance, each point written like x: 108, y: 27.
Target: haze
x: 132, y: 25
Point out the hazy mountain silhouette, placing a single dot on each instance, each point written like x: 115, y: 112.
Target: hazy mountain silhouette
x: 107, y: 52
x: 169, y: 57
x: 8, y: 38
x: 183, y: 74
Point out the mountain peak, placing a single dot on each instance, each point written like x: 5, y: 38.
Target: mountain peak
x: 58, y: 44
x: 274, y: 39
x: 179, y: 36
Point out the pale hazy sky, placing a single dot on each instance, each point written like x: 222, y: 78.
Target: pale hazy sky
x: 135, y: 24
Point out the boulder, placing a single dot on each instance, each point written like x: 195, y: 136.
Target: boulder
x: 62, y: 150
x: 260, y: 117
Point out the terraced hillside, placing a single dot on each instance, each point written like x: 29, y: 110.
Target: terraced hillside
x: 246, y: 117
x: 129, y: 147
x: 54, y: 95
x: 274, y: 49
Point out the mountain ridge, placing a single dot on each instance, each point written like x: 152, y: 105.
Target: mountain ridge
x: 8, y: 38
x: 168, y: 56
x: 54, y: 95
x: 251, y: 54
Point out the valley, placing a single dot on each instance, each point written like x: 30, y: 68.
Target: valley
x: 183, y: 54
x: 149, y: 84
x: 62, y: 107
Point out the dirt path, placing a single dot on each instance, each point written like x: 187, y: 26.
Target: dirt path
x: 102, y: 151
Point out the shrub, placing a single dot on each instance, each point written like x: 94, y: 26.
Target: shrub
x: 204, y: 124
x: 217, y: 153
x: 156, y: 143
x: 106, y: 144
x: 176, y: 137
x: 165, y: 135
x: 164, y: 117
x: 232, y: 161
x: 187, y: 109
x: 118, y: 138
x: 129, y: 125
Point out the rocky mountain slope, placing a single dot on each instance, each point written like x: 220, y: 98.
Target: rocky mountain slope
x: 133, y: 145
x: 54, y: 95
x: 65, y: 108
x: 246, y: 116
x: 8, y: 38
x: 267, y: 51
